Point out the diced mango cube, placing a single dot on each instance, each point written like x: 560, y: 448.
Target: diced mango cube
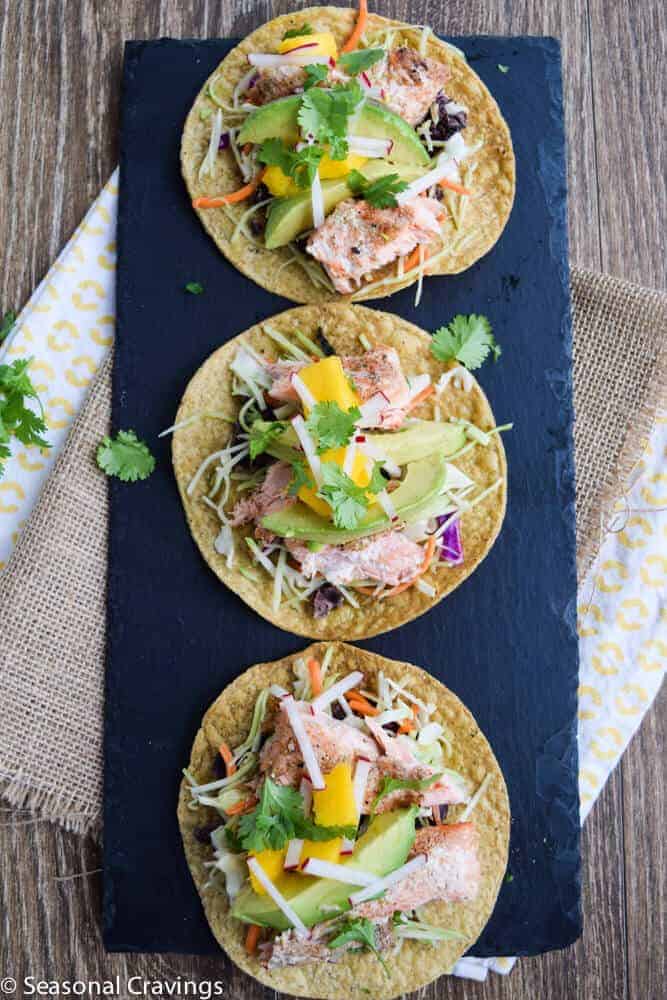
x: 309, y: 496
x: 323, y: 850
x: 335, y: 805
x: 272, y: 863
x: 330, y: 169
x: 278, y: 183
x: 328, y: 383
x: 323, y: 44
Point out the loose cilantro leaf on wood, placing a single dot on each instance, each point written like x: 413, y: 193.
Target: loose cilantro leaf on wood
x: 301, y: 166
x: 278, y: 818
x: 315, y: 73
x: 359, y: 60
x: 389, y: 785
x: 16, y: 419
x: 7, y: 324
x: 347, y: 500
x: 261, y: 437
x: 305, y: 29
x: 380, y: 193
x: 331, y: 425
x: 125, y: 457
x: 467, y: 339
x: 194, y: 287
x: 362, y: 931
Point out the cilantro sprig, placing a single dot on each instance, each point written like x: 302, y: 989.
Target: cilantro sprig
x: 467, y: 339
x: 359, y: 60
x: 300, y: 477
x: 16, y: 418
x: 300, y: 166
x: 305, y: 29
x: 7, y: 324
x: 348, y: 501
x: 315, y: 73
x: 332, y: 426
x: 125, y: 457
x: 262, y: 436
x: 278, y: 818
x: 362, y: 931
x: 380, y: 193
x: 194, y: 287
x: 389, y: 785
x: 323, y: 115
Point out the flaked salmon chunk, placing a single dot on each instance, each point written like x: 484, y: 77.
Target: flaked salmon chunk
x: 389, y: 557
x: 270, y: 497
x: 452, y: 873
x: 290, y: 949
x: 409, y: 82
x: 270, y: 84
x: 357, y: 239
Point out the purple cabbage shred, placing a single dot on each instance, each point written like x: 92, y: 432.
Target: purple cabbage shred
x: 451, y: 544
x: 325, y: 599
x: 224, y: 141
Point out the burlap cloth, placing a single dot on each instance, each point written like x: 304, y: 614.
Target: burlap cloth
x: 52, y: 593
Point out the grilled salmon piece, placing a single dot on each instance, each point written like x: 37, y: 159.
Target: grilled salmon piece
x: 268, y: 498
x: 409, y: 82
x: 290, y: 949
x: 452, y: 873
x: 357, y: 239
x: 389, y: 557
x: 280, y: 81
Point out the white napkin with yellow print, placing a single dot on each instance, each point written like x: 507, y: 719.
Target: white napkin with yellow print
x: 67, y: 328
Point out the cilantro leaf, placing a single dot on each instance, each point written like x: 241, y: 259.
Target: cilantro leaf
x: 305, y: 29
x: 125, y: 457
x: 380, y: 193
x: 332, y: 426
x: 7, y: 324
x: 278, y: 818
x: 323, y: 115
x: 194, y: 288
x: 503, y: 69
x: 16, y: 418
x: 347, y: 500
x: 362, y: 931
x: 315, y: 73
x: 378, y: 482
x: 467, y: 339
x: 389, y: 785
x: 359, y: 60
x: 301, y: 166
x: 262, y: 435
x: 300, y: 477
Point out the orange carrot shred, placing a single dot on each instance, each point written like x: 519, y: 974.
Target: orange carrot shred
x: 428, y: 555
x: 420, y: 397
x: 228, y: 758
x: 413, y: 259
x: 315, y: 671
x: 230, y: 199
x: 453, y: 186
x: 359, y: 27
x: 359, y: 704
x: 251, y: 938
x: 245, y: 805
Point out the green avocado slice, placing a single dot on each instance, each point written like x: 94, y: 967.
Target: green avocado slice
x: 423, y: 482
x: 382, y: 849
x: 374, y: 121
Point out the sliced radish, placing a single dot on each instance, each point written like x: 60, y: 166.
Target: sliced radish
x: 385, y: 502
x: 426, y: 588
x: 350, y: 454
x: 447, y: 169
x: 306, y: 792
x: 347, y: 847
x: 361, y: 772
x: 377, y: 455
x: 266, y: 60
x: 293, y: 855
x: 306, y: 45
x: 337, y: 690
x: 372, y: 148
x: 376, y: 93
x: 244, y: 84
x: 305, y: 746
x: 317, y: 201
x: 339, y: 873
x: 418, y: 383
x: 372, y: 409
x: 303, y: 392
x: 277, y: 691
x: 345, y: 707
x: 380, y: 884
x: 308, y: 445
x: 277, y: 897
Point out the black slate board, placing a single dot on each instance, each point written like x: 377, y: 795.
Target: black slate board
x: 505, y: 641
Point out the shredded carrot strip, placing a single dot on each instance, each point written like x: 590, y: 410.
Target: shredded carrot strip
x: 359, y: 704
x: 366, y: 590
x: 251, y: 938
x: 428, y: 555
x: 413, y: 259
x: 359, y: 27
x: 315, y: 671
x: 420, y: 397
x: 230, y: 199
x: 245, y: 805
x: 228, y: 758
x: 453, y: 186
x: 409, y: 724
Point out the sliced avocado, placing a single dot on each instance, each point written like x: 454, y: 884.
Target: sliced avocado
x: 381, y: 850
x: 424, y: 437
x: 287, y: 217
x: 374, y: 121
x: 423, y: 482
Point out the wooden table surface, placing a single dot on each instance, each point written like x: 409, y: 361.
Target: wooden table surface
x: 60, y: 63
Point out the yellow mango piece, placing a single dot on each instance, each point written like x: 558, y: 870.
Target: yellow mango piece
x: 335, y: 805
x: 324, y: 850
x: 361, y: 475
x: 330, y: 169
x: 272, y: 863
x: 323, y: 42
x: 278, y: 183
x: 328, y: 382
x: 310, y: 497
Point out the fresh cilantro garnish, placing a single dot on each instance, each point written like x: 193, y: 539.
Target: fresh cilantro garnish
x: 126, y: 457
x: 389, y: 785
x: 305, y: 29
x: 301, y: 166
x: 380, y: 193
x: 467, y: 339
x: 332, y: 426
x: 348, y: 501
x: 378, y: 481
x: 16, y: 419
x: 359, y: 60
x: 262, y: 435
x: 194, y: 288
x: 362, y: 931
x: 232, y: 839
x: 7, y: 324
x: 278, y: 818
x: 503, y: 69
x: 323, y: 115
x: 315, y: 73
x: 300, y: 477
